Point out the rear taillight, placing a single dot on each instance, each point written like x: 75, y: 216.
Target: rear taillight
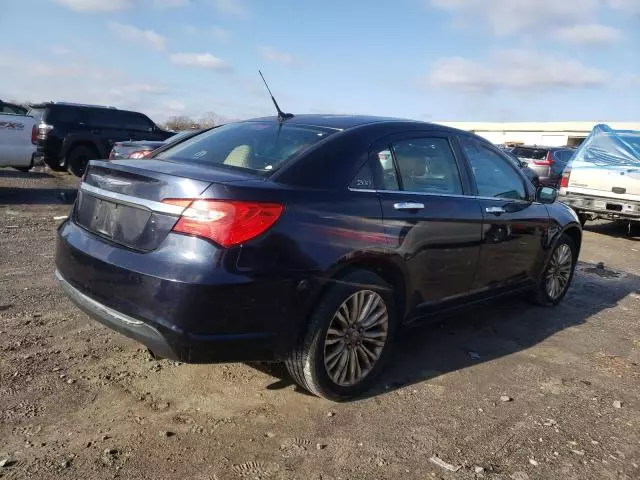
x: 548, y: 160
x: 43, y: 131
x: 227, y: 223
x: 564, y: 183
x: 141, y: 154
x: 34, y: 134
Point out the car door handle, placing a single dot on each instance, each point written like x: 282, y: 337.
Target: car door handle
x: 408, y: 206
x: 495, y: 210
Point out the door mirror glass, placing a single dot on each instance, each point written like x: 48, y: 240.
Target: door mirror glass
x: 546, y: 194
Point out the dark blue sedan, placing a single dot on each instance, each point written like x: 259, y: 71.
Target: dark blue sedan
x: 309, y: 240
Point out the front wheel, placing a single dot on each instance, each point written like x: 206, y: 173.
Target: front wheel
x: 557, y: 276
x: 348, y: 338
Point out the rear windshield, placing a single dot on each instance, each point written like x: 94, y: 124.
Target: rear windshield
x: 36, y: 113
x: 533, y: 153
x: 258, y: 146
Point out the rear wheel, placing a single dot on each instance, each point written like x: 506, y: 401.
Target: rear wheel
x: 25, y: 169
x: 348, y: 338
x: 557, y: 276
x: 78, y: 159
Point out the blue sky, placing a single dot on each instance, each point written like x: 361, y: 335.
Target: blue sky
x: 447, y: 60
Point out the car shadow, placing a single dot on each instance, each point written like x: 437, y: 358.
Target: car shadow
x: 615, y: 229
x: 491, y: 331
x: 30, y: 175
x: 37, y: 196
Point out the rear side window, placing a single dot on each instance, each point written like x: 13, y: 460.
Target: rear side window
x: 67, y: 115
x: 258, y: 146
x: 136, y: 121
x: 107, y: 118
x: 531, y: 153
x: 427, y: 165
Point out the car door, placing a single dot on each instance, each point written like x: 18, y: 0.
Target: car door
x: 431, y: 225
x: 139, y: 127
x: 514, y: 225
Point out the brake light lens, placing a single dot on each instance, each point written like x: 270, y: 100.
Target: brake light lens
x: 34, y: 134
x: 224, y: 222
x: 43, y: 131
x: 564, y: 183
x: 548, y: 160
x: 141, y: 154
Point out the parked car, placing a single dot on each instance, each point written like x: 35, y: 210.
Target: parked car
x: 69, y: 134
x: 547, y: 162
x: 603, y: 178
x: 531, y: 174
x: 12, y: 108
x: 297, y: 240
x: 144, y: 148
x: 17, y: 140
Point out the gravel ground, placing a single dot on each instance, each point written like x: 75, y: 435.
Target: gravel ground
x: 507, y: 391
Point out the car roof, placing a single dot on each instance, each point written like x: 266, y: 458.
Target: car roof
x: 345, y: 122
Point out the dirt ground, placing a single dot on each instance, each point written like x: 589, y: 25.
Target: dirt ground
x: 506, y: 391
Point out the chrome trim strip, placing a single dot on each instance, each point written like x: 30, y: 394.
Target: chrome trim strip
x: 93, y: 306
x: 428, y: 194
x: 131, y: 200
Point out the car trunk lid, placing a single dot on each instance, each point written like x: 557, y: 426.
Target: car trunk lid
x: 124, y: 201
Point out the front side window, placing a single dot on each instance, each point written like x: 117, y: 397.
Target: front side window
x: 257, y: 146
x: 136, y: 122
x: 494, y: 175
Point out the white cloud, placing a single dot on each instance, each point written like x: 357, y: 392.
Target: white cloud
x: 589, y: 34
x: 199, y: 60
x: 231, y: 7
x: 276, y: 56
x: 60, y: 50
x: 507, y: 17
x: 146, y: 38
x: 217, y: 33
x: 96, y: 5
x: 628, y: 6
x: 514, y: 70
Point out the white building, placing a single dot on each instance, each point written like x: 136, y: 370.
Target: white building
x: 552, y: 134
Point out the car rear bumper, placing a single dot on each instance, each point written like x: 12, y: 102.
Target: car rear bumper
x: 193, y: 310
x: 602, y: 207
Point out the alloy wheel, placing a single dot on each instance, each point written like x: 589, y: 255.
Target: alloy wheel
x: 356, y: 337
x: 559, y: 271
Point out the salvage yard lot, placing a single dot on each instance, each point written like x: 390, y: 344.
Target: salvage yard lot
x: 506, y: 391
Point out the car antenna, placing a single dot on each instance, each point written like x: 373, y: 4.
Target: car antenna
x: 281, y: 115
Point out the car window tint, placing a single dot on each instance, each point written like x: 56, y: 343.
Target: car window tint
x: 257, y: 146
x: 427, y: 165
x: 107, y: 118
x: 67, y: 115
x: 383, y: 160
x: 363, y: 179
x: 136, y: 121
x: 531, y: 153
x: 495, y: 176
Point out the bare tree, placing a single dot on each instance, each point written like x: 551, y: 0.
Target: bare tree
x: 182, y: 122
x: 209, y: 119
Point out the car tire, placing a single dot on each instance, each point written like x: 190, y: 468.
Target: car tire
x: 315, y: 363
x: 78, y: 158
x: 560, y: 269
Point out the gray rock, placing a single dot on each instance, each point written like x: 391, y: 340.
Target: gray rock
x: 478, y: 469
x: 617, y: 404
x: 6, y: 462
x: 506, y: 398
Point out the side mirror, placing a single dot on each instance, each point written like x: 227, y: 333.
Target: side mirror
x: 546, y: 194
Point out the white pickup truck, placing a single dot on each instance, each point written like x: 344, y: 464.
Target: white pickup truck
x: 18, y: 135
x: 602, y: 179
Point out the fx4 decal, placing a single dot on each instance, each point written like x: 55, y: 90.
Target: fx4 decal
x: 12, y: 125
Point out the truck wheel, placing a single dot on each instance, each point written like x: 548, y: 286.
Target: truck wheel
x: 348, y: 338
x: 78, y: 159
